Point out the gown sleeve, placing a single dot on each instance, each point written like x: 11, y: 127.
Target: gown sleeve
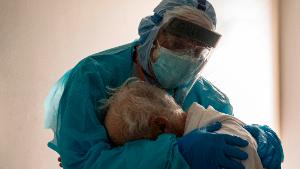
x: 82, y: 139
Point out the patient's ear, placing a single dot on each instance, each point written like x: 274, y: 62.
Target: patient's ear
x: 159, y: 124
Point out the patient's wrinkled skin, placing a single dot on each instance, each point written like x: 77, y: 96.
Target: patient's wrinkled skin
x: 139, y: 110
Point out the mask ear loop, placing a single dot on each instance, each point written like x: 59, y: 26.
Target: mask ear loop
x: 157, y: 45
x: 154, y: 48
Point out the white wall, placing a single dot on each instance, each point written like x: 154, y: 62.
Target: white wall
x: 290, y: 81
x: 39, y: 40
x: 244, y: 62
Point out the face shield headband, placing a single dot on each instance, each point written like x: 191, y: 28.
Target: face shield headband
x: 193, y: 32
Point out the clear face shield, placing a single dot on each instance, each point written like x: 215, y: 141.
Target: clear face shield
x: 180, y: 52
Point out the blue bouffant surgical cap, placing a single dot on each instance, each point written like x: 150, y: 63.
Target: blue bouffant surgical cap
x: 150, y: 25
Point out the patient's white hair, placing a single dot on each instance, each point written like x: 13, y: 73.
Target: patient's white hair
x: 131, y: 107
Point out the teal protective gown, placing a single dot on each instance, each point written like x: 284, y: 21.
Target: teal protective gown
x: 80, y: 135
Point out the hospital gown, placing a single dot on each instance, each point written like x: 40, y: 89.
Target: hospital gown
x: 199, y: 117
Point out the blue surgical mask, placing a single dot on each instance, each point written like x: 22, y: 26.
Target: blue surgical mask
x: 173, y: 70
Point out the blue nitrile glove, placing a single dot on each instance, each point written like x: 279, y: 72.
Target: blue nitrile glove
x: 208, y: 150
x: 269, y: 147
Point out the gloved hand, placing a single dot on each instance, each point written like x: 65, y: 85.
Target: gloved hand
x: 207, y: 150
x: 269, y: 146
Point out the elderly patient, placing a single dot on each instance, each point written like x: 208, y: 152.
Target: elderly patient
x: 142, y: 111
